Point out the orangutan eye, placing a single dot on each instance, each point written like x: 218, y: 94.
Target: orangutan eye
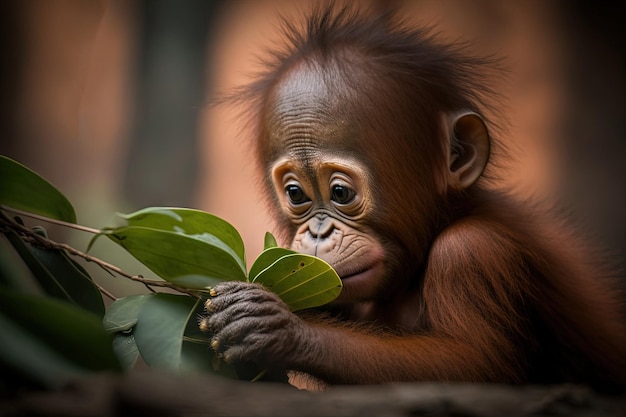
x: 342, y: 194
x: 295, y: 194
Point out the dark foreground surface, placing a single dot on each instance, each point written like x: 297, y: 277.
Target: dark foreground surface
x: 149, y: 393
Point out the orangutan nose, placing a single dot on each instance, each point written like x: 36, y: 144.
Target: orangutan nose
x: 316, y: 238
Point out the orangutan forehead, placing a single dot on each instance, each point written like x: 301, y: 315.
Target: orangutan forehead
x: 311, y: 111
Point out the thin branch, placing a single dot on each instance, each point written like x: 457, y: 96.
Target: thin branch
x: 48, y: 243
x: 49, y: 220
x: 106, y: 292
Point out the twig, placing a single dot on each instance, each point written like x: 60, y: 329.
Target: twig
x: 104, y: 291
x: 48, y: 243
x: 49, y: 220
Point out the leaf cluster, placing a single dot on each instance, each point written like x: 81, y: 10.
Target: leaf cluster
x: 55, y: 324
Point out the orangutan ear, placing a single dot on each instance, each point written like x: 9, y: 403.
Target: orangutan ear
x: 469, y: 149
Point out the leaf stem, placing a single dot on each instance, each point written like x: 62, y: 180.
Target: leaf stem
x: 49, y: 220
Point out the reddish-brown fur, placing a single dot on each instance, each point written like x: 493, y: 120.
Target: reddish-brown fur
x: 478, y: 286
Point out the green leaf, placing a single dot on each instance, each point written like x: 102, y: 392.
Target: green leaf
x: 192, y: 223
x: 75, y: 281
x: 70, y: 332
x: 122, y: 314
x: 23, y: 189
x: 270, y: 241
x: 196, y: 354
x: 198, y: 357
x: 160, y: 328
x: 171, y: 254
x: 196, y: 282
x: 43, y: 276
x: 120, y: 318
x: 267, y: 258
x: 301, y: 281
x: 23, y: 352
x: 14, y: 273
x: 59, y: 276
x: 125, y: 349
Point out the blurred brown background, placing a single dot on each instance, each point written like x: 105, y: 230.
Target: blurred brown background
x: 106, y: 99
